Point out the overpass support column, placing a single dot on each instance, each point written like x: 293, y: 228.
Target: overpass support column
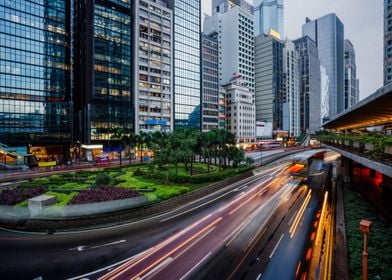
x: 347, y: 170
x: 387, y: 186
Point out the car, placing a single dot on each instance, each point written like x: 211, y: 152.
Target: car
x: 104, y: 158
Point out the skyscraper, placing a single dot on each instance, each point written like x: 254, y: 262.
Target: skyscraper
x: 210, y: 93
x: 351, y: 83
x: 35, y: 91
x: 310, y: 88
x: 153, y: 66
x: 387, y: 41
x: 236, y: 43
x: 270, y: 81
x: 187, y: 70
x: 223, y: 6
x: 103, y: 76
x: 328, y: 33
x: 291, y: 108
x: 269, y: 14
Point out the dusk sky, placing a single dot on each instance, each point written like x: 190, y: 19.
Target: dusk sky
x: 363, y: 22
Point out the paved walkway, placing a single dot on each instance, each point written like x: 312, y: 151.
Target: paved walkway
x: 340, y: 254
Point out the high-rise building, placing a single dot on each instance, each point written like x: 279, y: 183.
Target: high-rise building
x: 269, y: 14
x: 240, y: 110
x: 187, y: 70
x: 291, y: 74
x: 223, y: 6
x: 153, y: 66
x: 328, y: 33
x: 211, y: 88
x: 310, y: 85
x: 103, y: 76
x: 351, y: 83
x: 236, y: 44
x: 270, y: 82
x: 387, y: 41
x: 324, y: 94
x: 35, y: 90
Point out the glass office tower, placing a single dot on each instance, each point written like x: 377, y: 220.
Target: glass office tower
x: 269, y: 14
x: 351, y: 83
x: 187, y: 71
x: 310, y: 92
x: 35, y: 97
x: 103, y: 79
x: 328, y: 33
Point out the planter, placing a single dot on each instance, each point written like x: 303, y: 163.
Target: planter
x: 347, y: 143
x: 388, y: 150
x: 369, y: 147
x: 341, y: 142
x: 357, y: 145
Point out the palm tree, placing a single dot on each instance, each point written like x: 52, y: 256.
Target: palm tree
x: 132, y: 140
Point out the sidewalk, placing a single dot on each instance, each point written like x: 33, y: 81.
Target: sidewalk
x: 340, y: 252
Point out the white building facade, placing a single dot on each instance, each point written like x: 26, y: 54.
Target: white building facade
x: 235, y: 30
x: 240, y: 111
x: 154, y: 67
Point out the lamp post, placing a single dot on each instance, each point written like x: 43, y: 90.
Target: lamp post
x: 365, y: 229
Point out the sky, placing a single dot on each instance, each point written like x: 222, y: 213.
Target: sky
x: 363, y: 23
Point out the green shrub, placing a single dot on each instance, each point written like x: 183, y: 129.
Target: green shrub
x: 102, y: 180
x: 138, y: 172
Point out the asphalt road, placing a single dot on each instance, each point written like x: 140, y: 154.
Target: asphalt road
x: 274, y: 251
x: 61, y: 256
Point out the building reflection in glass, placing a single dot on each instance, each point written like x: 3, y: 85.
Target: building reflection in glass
x: 34, y: 73
x: 187, y: 85
x: 103, y: 98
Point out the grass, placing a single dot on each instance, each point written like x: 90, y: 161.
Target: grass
x: 380, y: 243
x: 66, y: 186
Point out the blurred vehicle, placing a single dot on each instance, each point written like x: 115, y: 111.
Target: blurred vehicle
x: 103, y: 158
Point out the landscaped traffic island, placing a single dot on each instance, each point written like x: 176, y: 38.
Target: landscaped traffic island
x: 157, y: 183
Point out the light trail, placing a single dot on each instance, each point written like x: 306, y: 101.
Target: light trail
x: 322, y: 217
x: 300, y: 213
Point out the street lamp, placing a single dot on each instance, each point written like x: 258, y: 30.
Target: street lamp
x: 365, y: 229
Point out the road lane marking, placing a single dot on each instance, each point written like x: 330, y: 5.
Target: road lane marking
x: 276, y: 246
x: 84, y: 248
x: 197, y: 265
x: 258, y: 277
x: 105, y: 268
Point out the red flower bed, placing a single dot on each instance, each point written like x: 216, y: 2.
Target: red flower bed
x: 12, y: 197
x: 103, y: 194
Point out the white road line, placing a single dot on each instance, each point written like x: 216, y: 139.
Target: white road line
x: 105, y: 268
x: 108, y: 244
x: 193, y: 268
x: 276, y: 246
x: 258, y: 277
x: 158, y: 267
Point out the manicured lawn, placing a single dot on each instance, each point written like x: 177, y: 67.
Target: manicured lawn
x: 380, y: 241
x: 65, y: 187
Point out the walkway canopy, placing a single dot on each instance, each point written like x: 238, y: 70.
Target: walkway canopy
x: 374, y: 110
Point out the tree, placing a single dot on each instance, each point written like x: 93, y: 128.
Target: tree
x: 121, y: 138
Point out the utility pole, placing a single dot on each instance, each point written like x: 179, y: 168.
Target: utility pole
x: 365, y: 228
